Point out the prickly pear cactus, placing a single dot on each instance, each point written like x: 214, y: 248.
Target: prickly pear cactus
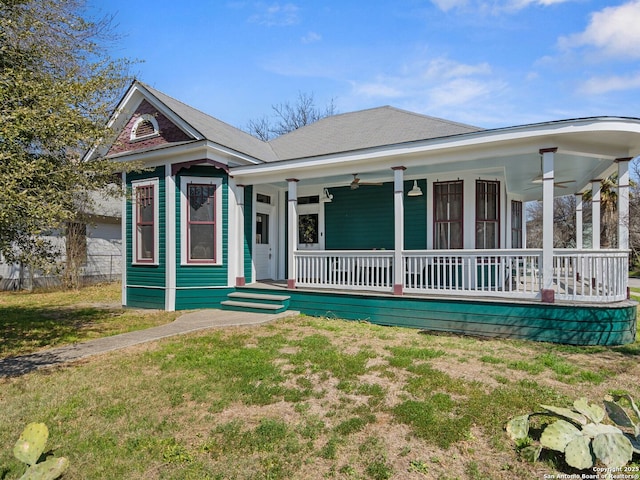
x: 612, y: 449
x: 30, y: 447
x: 581, y: 436
x: 578, y: 453
x: 47, y: 470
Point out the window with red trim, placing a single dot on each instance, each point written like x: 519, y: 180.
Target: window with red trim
x: 447, y: 228
x: 145, y: 224
x: 516, y: 224
x: 487, y: 214
x: 201, y: 225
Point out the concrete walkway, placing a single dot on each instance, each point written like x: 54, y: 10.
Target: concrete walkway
x: 189, y: 322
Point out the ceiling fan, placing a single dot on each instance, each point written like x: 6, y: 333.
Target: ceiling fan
x: 355, y: 183
x: 538, y: 180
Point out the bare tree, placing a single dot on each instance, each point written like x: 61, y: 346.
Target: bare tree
x: 288, y: 117
x: 564, y: 220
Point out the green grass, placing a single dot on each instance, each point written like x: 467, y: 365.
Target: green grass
x: 301, y: 398
x: 33, y: 321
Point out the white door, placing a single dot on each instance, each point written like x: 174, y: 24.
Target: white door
x: 265, y: 234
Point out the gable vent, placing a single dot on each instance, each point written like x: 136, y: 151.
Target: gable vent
x: 146, y: 126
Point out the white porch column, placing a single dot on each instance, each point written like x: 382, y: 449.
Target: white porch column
x: 623, y: 203
x: 548, y: 157
x: 595, y: 206
x: 170, y: 239
x: 292, y: 209
x: 579, y: 227
x: 240, y: 278
x: 398, y: 225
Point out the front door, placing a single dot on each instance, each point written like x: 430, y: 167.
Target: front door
x: 265, y: 234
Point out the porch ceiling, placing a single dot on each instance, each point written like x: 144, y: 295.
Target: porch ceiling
x: 586, y: 150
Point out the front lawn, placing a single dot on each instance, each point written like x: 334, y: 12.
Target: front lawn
x: 33, y: 321
x: 306, y: 398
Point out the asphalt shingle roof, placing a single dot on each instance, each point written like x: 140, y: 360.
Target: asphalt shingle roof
x: 345, y: 132
x: 363, y: 129
x: 216, y: 130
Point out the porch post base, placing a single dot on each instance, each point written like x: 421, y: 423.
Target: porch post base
x: 628, y: 293
x: 240, y: 282
x: 291, y: 283
x: 397, y: 289
x: 548, y: 295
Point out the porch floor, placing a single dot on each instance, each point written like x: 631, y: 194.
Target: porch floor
x: 281, y: 285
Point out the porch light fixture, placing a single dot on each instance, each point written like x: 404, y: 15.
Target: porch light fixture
x: 416, y: 191
x: 326, y: 196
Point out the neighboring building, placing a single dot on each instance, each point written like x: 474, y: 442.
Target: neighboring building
x: 103, y: 251
x: 383, y: 215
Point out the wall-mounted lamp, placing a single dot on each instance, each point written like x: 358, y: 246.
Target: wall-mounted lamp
x: 416, y: 191
x: 326, y: 196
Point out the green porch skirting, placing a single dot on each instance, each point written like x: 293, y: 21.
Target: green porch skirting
x: 593, y: 324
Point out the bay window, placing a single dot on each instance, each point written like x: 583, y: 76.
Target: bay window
x: 201, y: 235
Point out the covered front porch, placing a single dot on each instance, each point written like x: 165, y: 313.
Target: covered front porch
x: 438, y: 228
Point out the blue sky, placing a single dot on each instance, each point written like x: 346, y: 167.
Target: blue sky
x: 489, y: 63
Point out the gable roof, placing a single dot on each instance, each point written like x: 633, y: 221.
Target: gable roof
x: 215, y: 130
x: 363, y: 129
x: 345, y: 132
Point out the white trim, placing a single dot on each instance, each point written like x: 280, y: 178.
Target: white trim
x: 123, y: 233
x: 145, y: 117
x: 170, y: 239
x: 155, y: 182
x: 217, y: 182
x: 234, y: 242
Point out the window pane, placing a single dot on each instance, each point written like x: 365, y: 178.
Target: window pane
x: 308, y: 228
x: 442, y: 236
x: 201, y: 238
x: 146, y: 213
x: 455, y: 235
x: 201, y: 203
x: 262, y: 228
x: 145, y: 242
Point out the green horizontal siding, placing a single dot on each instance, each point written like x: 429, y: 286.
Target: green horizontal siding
x: 141, y: 297
x: 575, y: 325
x: 147, y: 275
x: 188, y: 299
x: 201, y: 275
x: 363, y: 219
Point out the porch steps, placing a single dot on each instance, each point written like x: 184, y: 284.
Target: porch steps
x: 256, y: 302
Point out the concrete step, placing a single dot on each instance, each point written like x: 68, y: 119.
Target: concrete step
x: 253, y: 306
x: 265, y: 297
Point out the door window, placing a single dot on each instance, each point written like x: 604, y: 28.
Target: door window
x: 262, y: 228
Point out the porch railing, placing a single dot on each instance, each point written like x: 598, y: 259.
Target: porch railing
x: 513, y: 273
x: 579, y: 275
x: 596, y: 275
x: 345, y: 269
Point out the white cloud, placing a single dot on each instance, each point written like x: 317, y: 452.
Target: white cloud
x: 613, y: 31
x: 600, y: 85
x: 493, y: 6
x: 438, y: 83
x: 311, y: 37
x: 276, y: 15
x: 458, y: 92
x: 446, y: 5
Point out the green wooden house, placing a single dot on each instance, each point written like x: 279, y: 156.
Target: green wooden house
x: 381, y: 215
